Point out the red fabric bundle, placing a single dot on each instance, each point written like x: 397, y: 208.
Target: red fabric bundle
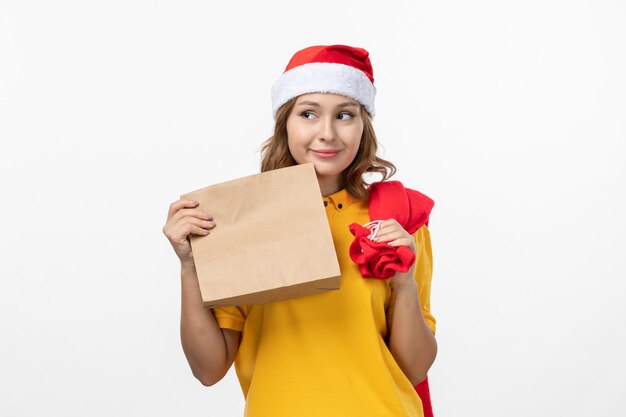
x: 378, y: 259
x: 389, y: 200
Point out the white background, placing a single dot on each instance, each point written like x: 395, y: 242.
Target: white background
x: 510, y: 115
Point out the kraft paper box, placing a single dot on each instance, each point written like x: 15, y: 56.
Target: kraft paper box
x: 271, y: 242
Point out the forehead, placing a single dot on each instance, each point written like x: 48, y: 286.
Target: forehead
x: 328, y: 99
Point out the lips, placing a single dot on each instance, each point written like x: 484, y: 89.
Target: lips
x: 325, y: 153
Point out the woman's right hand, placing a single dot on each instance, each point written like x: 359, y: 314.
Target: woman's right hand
x: 182, y: 221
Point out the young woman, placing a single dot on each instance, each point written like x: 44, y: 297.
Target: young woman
x: 357, y: 351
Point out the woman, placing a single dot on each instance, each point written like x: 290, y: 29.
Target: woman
x: 357, y: 351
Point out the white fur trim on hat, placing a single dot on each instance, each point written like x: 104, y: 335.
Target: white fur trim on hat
x: 324, y: 77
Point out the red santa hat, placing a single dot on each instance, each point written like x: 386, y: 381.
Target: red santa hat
x: 338, y: 69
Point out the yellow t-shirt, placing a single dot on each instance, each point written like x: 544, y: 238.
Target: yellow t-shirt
x: 325, y: 354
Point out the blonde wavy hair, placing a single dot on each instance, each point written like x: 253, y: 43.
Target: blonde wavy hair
x: 275, y: 154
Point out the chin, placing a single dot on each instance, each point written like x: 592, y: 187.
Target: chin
x: 323, y: 171
x: 325, y: 168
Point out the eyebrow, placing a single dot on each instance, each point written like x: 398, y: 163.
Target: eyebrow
x: 314, y: 104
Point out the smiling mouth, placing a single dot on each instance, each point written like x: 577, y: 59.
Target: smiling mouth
x: 325, y: 153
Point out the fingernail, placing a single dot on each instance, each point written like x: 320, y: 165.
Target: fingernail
x: 193, y: 202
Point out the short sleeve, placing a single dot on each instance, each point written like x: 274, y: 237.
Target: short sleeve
x: 230, y: 317
x: 423, y: 275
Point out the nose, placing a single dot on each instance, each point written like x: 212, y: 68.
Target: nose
x: 327, y: 129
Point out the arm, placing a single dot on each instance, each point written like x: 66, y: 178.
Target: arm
x: 209, y: 350
x: 411, y: 342
x: 411, y: 339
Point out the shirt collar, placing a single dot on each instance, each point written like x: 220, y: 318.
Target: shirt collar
x: 339, y: 200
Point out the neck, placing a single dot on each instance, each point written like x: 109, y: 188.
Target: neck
x: 329, y: 186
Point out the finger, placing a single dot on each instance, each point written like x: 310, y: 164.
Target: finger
x: 182, y: 213
x: 177, y: 205
x: 187, y: 227
x: 403, y: 241
x: 179, y: 230
x: 385, y: 237
x: 389, y: 225
x: 203, y: 224
x: 192, y: 229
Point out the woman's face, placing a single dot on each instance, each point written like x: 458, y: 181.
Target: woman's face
x: 326, y: 130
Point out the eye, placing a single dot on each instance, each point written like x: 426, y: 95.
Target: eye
x: 345, y: 116
x: 307, y: 114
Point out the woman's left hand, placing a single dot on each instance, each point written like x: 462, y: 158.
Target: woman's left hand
x: 393, y: 233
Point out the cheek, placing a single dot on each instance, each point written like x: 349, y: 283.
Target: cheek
x: 292, y: 141
x: 355, y: 141
x: 296, y: 138
x: 295, y: 146
x: 293, y: 151
x: 291, y: 136
x: 353, y: 151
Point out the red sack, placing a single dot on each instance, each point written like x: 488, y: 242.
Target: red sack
x: 378, y: 259
x: 389, y: 200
